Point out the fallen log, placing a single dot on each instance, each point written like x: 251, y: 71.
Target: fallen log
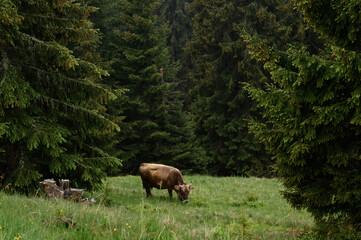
x: 91, y: 199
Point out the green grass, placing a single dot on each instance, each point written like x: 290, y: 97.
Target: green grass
x: 219, y: 208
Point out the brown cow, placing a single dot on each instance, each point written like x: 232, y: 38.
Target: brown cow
x: 164, y: 177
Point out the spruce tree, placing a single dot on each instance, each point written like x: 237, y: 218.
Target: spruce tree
x: 134, y: 43
x: 178, y: 18
x: 221, y: 108
x: 50, y: 99
x: 312, y: 117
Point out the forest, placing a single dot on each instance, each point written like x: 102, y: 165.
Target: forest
x: 254, y: 88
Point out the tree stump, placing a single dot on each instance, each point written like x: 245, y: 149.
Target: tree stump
x: 64, y: 184
x: 51, y: 189
x: 74, y: 194
x: 62, y: 191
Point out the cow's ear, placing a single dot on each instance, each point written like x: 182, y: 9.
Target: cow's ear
x: 190, y: 187
x: 176, y: 187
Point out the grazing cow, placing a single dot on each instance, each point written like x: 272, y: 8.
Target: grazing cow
x: 164, y: 177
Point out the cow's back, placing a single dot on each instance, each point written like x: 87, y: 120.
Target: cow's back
x: 159, y: 175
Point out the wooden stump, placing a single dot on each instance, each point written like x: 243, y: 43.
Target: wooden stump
x: 74, y: 194
x: 64, y: 184
x: 62, y: 191
x: 51, y: 189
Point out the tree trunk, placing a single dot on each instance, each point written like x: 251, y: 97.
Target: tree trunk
x: 11, y: 159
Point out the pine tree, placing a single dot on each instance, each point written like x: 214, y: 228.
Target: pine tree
x: 311, y: 118
x: 50, y: 99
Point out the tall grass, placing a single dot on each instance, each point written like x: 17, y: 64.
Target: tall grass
x: 219, y: 208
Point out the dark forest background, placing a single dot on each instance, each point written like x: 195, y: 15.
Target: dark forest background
x: 267, y: 88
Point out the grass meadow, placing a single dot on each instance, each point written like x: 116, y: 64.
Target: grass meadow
x: 219, y: 208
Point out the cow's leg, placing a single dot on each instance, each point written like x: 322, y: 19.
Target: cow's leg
x: 147, y: 188
x: 170, y: 192
x: 149, y: 193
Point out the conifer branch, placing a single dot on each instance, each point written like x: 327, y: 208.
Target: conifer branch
x: 51, y: 17
x: 93, y: 114
x: 80, y: 82
x: 56, y: 45
x: 98, y: 151
x: 34, y: 39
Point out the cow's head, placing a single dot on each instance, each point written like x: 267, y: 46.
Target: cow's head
x: 183, y: 191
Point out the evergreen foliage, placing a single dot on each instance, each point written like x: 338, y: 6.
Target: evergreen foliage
x: 222, y: 64
x: 106, y: 20
x: 312, y: 118
x: 135, y: 46
x: 337, y: 21
x: 178, y: 18
x: 50, y: 99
